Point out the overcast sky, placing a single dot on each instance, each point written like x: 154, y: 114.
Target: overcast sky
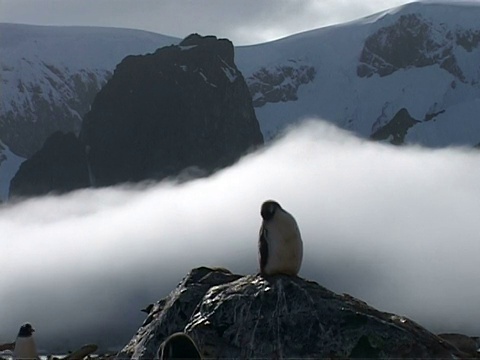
x: 244, y: 22
x: 396, y: 227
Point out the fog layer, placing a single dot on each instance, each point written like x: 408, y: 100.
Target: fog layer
x: 396, y: 227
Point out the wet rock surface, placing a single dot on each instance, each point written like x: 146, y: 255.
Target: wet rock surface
x: 413, y: 41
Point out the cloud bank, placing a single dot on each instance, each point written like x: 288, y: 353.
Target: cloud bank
x: 395, y: 227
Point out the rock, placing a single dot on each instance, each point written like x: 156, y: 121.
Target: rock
x: 467, y: 344
x: 26, y: 125
x: 234, y: 316
x: 183, y: 111
x: 279, y: 83
x: 7, y: 346
x: 185, y: 106
x: 60, y: 166
x: 413, y: 41
x: 81, y: 353
x: 171, y: 315
x: 396, y: 129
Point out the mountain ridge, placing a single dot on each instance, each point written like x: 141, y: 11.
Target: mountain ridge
x: 354, y: 75
x: 186, y: 106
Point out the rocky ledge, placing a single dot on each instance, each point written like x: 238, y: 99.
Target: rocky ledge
x: 234, y: 316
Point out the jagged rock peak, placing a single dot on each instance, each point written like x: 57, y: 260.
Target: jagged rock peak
x: 184, y: 106
x: 183, y: 111
x: 223, y: 46
x: 234, y: 316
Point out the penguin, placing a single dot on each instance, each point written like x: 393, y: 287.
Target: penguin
x: 280, y: 243
x: 178, y: 346
x: 25, y: 347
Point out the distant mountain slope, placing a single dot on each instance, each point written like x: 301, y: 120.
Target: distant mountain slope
x: 50, y: 76
x: 185, y: 106
x: 422, y: 57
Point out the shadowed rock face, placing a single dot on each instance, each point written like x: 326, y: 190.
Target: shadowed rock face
x: 233, y: 316
x: 60, y: 166
x: 183, y: 106
x: 396, y: 129
x: 280, y: 83
x: 412, y: 41
x: 26, y: 126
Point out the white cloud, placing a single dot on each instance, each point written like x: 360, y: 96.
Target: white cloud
x: 396, y: 227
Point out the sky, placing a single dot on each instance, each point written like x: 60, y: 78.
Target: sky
x: 395, y: 227
x: 244, y: 22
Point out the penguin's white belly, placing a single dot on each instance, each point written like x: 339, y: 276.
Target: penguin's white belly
x: 284, y: 254
x: 25, y: 348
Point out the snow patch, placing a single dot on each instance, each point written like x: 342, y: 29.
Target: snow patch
x: 187, y: 47
x: 229, y: 72
x: 206, y: 79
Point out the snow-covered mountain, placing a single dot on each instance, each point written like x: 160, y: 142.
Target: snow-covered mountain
x: 407, y: 75
x: 49, y: 78
x: 422, y: 57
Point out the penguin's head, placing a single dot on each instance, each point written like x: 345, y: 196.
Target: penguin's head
x: 268, y: 209
x: 26, y: 330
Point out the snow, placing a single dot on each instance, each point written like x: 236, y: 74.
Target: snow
x: 46, y: 62
x: 229, y: 72
x: 338, y: 95
x: 30, y: 58
x: 83, y: 47
x: 455, y: 127
x: 188, y: 47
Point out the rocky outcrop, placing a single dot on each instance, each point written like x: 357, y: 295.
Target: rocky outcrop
x: 60, y: 166
x: 234, y: 316
x: 279, y: 83
x: 183, y: 109
x: 183, y: 106
x: 3, y: 157
x: 413, y: 41
x: 468, y: 344
x: 396, y: 129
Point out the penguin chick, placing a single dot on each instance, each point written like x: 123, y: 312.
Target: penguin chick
x: 280, y: 243
x: 25, y: 347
